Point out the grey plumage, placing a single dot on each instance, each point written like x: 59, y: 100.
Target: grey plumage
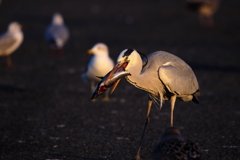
x: 6, y: 41
x: 57, y: 33
x: 172, y: 146
x: 163, y: 75
x: 10, y: 41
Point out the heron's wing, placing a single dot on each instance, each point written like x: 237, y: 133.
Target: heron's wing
x: 6, y: 41
x: 178, y: 80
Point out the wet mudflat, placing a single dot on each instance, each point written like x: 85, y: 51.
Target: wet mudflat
x: 45, y: 107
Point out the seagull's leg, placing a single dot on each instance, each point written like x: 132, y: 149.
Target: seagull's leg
x: 145, y: 125
x: 61, y: 52
x: 92, y: 88
x: 172, y: 101
x: 106, y: 97
x: 51, y: 52
x: 9, y: 61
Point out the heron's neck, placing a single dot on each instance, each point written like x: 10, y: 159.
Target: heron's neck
x: 137, y: 78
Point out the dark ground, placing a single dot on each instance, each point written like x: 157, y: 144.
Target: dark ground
x: 45, y: 108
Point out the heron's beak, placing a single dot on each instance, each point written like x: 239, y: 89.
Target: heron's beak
x: 99, y: 89
x: 115, y: 85
x: 120, y: 67
x: 111, y: 79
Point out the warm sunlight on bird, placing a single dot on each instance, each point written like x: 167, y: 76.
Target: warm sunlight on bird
x: 163, y: 75
x: 10, y: 41
x: 99, y: 65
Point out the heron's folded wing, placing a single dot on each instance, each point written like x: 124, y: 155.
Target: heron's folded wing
x: 177, y: 80
x: 6, y: 41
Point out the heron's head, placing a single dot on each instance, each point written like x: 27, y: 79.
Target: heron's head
x: 126, y: 59
x: 98, y: 49
x: 114, y: 76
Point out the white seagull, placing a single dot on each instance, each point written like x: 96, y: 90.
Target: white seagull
x: 10, y: 41
x: 173, y: 146
x: 57, y: 34
x: 99, y: 65
x: 163, y: 75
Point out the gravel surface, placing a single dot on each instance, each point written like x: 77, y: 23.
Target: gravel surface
x: 45, y: 107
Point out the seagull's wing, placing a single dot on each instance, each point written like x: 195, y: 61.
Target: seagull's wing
x: 178, y: 80
x: 6, y: 41
x: 57, y: 31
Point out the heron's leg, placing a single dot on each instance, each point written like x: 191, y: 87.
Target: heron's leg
x: 172, y: 101
x: 9, y: 61
x: 145, y: 125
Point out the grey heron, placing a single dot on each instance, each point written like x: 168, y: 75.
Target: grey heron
x: 57, y: 34
x: 10, y: 41
x: 163, y: 75
x: 99, y: 65
x: 173, y: 146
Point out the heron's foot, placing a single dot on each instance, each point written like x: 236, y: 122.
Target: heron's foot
x: 105, y: 99
x: 138, y: 155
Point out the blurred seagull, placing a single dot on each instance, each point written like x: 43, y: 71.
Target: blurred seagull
x: 206, y: 9
x: 172, y: 146
x: 10, y: 41
x: 57, y: 34
x: 99, y: 65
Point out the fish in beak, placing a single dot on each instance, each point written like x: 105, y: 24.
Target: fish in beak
x: 111, y: 79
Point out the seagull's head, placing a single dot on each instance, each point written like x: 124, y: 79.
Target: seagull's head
x: 99, y: 49
x: 57, y: 19
x: 14, y: 26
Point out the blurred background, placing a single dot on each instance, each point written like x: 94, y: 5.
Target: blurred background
x: 45, y: 107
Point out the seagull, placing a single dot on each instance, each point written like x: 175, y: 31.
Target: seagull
x: 206, y: 9
x: 10, y: 41
x: 57, y: 34
x: 173, y: 146
x: 99, y: 65
x: 162, y: 75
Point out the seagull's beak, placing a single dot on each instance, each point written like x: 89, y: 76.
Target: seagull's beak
x: 90, y: 51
